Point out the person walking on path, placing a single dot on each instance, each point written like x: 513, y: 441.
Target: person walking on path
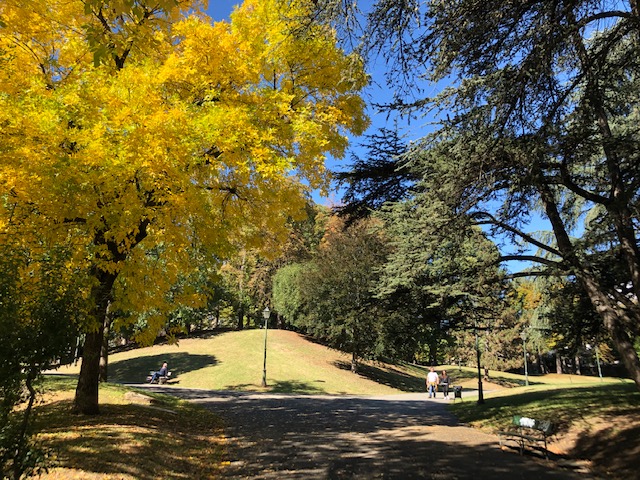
x: 432, y: 382
x: 444, y: 382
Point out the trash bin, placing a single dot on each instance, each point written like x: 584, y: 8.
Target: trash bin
x: 457, y: 393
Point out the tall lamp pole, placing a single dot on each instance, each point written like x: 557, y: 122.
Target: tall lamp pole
x: 480, y: 393
x: 265, y: 313
x: 523, y: 335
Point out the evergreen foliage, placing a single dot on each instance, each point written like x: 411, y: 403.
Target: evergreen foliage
x: 540, y: 122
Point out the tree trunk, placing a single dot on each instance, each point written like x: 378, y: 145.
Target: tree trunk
x: 558, y: 363
x: 577, y: 364
x: 354, y: 362
x: 104, y: 351
x: 433, y: 350
x: 20, y: 459
x: 541, y: 364
x: 618, y: 207
x: 612, y: 317
x: 615, y: 326
x: 241, y: 291
x: 240, y: 318
x: 86, y: 399
x: 76, y: 352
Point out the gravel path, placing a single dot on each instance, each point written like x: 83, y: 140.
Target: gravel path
x: 356, y: 437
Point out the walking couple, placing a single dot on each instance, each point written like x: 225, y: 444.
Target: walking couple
x: 433, y: 381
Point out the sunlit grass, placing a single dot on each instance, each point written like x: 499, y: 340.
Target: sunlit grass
x: 234, y: 361
x: 563, y: 403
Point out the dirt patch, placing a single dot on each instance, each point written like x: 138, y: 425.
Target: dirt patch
x: 611, y: 444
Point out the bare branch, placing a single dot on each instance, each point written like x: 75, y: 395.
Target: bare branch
x: 529, y: 258
x: 492, y: 220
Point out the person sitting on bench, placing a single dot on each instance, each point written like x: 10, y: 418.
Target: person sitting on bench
x: 160, y: 373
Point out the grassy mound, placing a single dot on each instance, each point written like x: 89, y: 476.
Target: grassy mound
x: 234, y: 361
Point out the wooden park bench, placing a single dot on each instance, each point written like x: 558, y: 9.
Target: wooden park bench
x: 528, y: 431
x: 161, y: 380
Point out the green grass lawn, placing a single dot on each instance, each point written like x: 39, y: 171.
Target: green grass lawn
x: 234, y: 361
x: 598, y: 419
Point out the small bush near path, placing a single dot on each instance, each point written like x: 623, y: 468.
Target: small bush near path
x: 599, y: 423
x: 166, y: 439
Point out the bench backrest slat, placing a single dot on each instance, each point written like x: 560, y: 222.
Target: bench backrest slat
x: 545, y: 426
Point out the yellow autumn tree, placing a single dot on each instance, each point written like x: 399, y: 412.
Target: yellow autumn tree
x: 129, y: 126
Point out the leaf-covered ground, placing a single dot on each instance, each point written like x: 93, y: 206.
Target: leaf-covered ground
x: 161, y: 439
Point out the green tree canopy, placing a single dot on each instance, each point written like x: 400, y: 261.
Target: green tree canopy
x: 338, y: 286
x: 540, y: 120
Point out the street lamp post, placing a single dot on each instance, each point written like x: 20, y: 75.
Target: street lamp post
x: 265, y: 313
x: 480, y: 393
x: 523, y: 335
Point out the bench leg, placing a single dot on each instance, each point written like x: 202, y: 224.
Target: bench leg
x: 521, y: 446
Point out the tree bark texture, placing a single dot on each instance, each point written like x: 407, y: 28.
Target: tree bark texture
x: 614, y: 322
x: 613, y: 318
x: 104, y: 351
x: 86, y: 399
x: 240, y: 325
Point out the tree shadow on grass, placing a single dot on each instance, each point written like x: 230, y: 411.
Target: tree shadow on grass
x: 292, y: 386
x: 190, y: 442
x: 286, y: 386
x: 391, y: 377
x: 604, y: 447
x: 135, y: 370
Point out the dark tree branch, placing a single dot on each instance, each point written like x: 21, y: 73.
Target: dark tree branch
x: 491, y: 220
x: 528, y: 273
x: 568, y: 182
x: 529, y: 258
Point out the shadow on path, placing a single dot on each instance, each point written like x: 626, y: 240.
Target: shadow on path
x: 347, y: 437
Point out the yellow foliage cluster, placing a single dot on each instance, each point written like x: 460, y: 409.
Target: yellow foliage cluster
x: 128, y: 125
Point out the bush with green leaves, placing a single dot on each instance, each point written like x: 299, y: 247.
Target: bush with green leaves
x: 40, y: 305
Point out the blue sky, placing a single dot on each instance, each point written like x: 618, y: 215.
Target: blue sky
x: 220, y: 9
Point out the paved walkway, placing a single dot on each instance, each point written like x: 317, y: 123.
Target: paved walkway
x: 355, y: 437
